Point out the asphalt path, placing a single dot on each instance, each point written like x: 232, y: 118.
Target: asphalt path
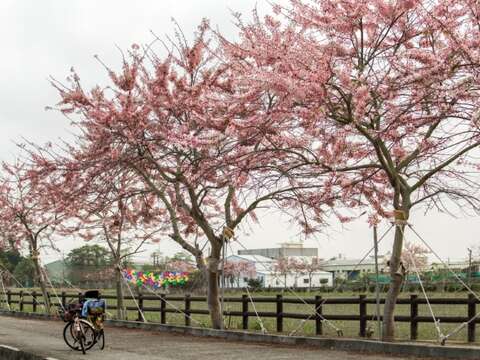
x: 44, y: 338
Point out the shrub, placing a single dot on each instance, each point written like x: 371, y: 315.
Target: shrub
x: 255, y: 284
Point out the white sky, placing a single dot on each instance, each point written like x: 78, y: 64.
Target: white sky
x: 43, y: 38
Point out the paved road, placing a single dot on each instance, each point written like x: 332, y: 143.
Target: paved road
x: 45, y: 338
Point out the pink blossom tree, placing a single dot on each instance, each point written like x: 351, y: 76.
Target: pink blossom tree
x: 170, y: 125
x: 393, y: 84
x: 101, y: 205
x: 180, y: 265
x: 415, y: 257
x: 282, y: 267
x: 298, y: 268
x: 117, y: 215
x: 27, y: 215
x: 234, y: 270
x: 312, y: 266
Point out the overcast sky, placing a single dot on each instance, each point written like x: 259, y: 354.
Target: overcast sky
x: 43, y: 38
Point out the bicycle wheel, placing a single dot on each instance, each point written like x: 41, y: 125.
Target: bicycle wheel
x: 72, y: 338
x: 101, y: 339
x: 82, y: 345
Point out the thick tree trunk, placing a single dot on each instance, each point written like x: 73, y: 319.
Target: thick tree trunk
x: 213, y: 293
x: 200, y: 282
x: 41, y: 281
x: 121, y: 311
x: 397, y: 276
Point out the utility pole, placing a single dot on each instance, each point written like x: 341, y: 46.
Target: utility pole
x: 377, y: 280
x: 63, y: 268
x: 156, y: 259
x: 469, y: 266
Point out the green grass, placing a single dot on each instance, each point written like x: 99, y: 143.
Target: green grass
x: 426, y: 331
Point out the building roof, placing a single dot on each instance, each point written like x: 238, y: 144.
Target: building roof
x: 251, y: 258
x: 271, y: 272
x: 348, y: 262
x: 352, y: 262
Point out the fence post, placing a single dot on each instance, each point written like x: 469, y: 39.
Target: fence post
x: 318, y: 315
x: 64, y: 299
x: 20, y: 300
x: 279, y: 313
x: 9, y: 298
x: 363, y: 315
x: 80, y: 297
x: 34, y: 301
x: 140, y: 307
x: 245, y: 312
x: 163, y: 318
x: 472, y: 305
x: 188, y: 321
x: 413, y: 317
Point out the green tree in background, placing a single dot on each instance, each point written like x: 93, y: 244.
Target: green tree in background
x: 9, y: 259
x: 25, y: 272
x: 86, y: 262
x: 89, y: 255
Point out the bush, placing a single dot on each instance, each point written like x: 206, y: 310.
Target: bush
x: 257, y: 325
x: 453, y: 288
x: 255, y: 284
x: 412, y: 288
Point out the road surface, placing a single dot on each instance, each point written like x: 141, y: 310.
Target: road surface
x: 45, y: 338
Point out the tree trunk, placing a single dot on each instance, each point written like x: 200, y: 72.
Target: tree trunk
x: 213, y: 293
x: 201, y: 281
x: 41, y: 281
x: 121, y: 311
x: 397, y: 275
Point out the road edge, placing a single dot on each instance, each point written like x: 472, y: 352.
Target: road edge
x: 12, y: 353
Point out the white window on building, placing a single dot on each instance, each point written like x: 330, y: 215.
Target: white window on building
x: 306, y: 281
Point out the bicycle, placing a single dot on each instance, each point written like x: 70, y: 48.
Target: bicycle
x: 81, y: 333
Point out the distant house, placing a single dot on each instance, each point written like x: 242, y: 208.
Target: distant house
x: 351, y: 269
x: 456, y: 265
x: 287, y: 249
x: 265, y: 272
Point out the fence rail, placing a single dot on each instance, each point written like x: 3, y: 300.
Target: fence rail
x: 20, y: 298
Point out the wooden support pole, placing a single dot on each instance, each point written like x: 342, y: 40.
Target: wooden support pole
x: 279, y: 313
x: 472, y: 309
x: 244, y: 312
x: 318, y: 313
x: 163, y: 313
x: 188, y: 319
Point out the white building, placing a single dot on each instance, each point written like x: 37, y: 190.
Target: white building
x: 351, y: 269
x: 265, y: 272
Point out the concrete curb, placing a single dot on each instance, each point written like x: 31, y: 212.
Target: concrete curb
x: 11, y: 353
x: 353, y: 345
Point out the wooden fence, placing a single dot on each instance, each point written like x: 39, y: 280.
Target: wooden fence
x: 20, y: 298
